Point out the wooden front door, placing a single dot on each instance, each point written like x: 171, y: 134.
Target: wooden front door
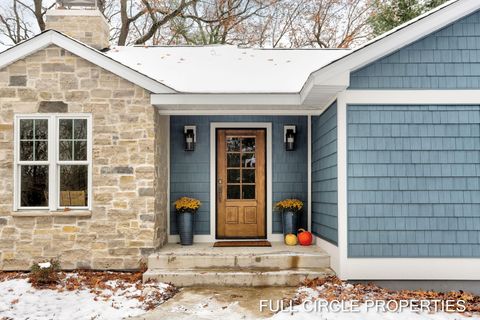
x: 241, y: 183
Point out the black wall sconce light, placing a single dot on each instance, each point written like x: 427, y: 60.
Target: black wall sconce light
x: 289, y: 134
x: 190, y: 133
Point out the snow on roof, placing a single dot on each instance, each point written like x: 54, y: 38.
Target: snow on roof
x: 226, y: 69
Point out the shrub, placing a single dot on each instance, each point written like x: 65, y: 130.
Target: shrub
x: 45, y: 273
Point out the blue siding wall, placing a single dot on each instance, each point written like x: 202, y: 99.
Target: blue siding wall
x: 414, y: 181
x: 446, y: 59
x: 324, y: 175
x: 190, y: 171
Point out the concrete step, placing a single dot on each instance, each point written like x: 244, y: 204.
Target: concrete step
x: 235, y: 277
x: 200, y: 257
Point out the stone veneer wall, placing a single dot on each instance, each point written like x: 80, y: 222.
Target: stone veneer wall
x: 122, y: 226
x: 88, y: 26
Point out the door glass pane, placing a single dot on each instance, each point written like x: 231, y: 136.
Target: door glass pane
x: 248, y: 145
x: 248, y: 175
x: 26, y: 150
x: 74, y: 186
x: 248, y: 160
x: 34, y: 186
x: 233, y: 192
x: 248, y: 191
x: 233, y: 176
x: 233, y: 160
x: 233, y: 144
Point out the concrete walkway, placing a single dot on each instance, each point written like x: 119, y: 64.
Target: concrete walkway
x: 223, y: 303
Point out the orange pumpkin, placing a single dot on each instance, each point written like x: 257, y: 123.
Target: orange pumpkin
x: 304, y: 237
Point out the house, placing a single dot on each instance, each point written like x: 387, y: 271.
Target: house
x: 386, y: 157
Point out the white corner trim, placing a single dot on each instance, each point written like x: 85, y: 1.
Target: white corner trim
x: 415, y: 97
x: 411, y: 269
x: 332, y: 251
x: 397, y: 38
x: 213, y: 171
x: 96, y: 57
x: 342, y: 183
x: 223, y: 99
x: 309, y: 173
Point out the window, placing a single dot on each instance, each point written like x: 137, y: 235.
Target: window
x: 53, y: 162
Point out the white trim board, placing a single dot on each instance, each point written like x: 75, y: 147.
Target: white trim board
x: 234, y: 110
x: 411, y: 269
x: 52, y: 37
x: 412, y: 97
x: 197, y: 99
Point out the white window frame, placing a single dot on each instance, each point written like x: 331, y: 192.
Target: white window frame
x: 53, y: 160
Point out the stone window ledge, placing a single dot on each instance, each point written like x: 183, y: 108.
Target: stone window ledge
x: 71, y: 213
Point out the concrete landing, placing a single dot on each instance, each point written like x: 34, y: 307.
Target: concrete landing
x: 202, y: 264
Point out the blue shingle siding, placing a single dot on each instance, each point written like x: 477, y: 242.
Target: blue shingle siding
x: 190, y: 171
x: 414, y: 181
x: 446, y: 59
x: 324, y: 175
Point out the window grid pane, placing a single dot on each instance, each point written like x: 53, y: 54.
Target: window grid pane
x: 72, y: 140
x: 33, y: 140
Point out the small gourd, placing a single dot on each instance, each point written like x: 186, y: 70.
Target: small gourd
x: 291, y: 239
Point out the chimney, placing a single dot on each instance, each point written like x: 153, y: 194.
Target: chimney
x: 82, y: 20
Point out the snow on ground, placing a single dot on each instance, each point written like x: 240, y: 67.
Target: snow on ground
x: 301, y: 313
x: 336, y: 289
x: 19, y: 300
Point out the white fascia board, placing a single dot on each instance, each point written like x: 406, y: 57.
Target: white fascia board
x: 47, y: 38
x: 224, y: 99
x: 395, y: 40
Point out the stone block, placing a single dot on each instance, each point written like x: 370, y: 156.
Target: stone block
x: 53, y: 107
x: 18, y: 81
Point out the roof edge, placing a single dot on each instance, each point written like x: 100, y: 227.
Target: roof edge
x: 49, y: 37
x: 394, y: 40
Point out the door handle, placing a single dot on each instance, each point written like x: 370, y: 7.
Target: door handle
x: 219, y: 189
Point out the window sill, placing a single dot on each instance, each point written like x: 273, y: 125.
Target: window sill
x: 38, y: 213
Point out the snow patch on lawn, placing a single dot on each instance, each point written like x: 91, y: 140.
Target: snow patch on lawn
x: 19, y: 300
x: 299, y: 313
x: 314, y: 294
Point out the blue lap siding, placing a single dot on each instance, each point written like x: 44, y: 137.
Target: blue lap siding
x: 190, y: 171
x: 414, y: 181
x: 446, y: 59
x: 324, y: 175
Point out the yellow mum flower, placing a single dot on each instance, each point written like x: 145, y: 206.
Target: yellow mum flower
x: 185, y: 204
x: 293, y: 205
